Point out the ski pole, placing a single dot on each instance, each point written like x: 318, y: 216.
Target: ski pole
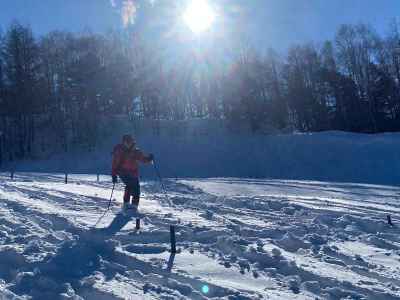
x: 108, y: 207
x: 156, y: 169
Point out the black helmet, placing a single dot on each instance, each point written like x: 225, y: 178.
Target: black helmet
x: 128, y: 138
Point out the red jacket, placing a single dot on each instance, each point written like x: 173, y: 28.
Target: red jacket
x: 125, y: 161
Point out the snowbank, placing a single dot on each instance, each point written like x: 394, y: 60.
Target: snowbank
x: 203, y: 152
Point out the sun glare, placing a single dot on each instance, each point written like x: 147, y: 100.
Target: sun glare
x: 199, y: 16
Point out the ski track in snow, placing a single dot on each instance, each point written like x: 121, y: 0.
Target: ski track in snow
x: 237, y: 239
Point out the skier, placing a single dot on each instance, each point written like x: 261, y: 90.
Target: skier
x: 125, y: 164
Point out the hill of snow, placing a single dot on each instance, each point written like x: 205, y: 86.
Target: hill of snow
x: 208, y: 152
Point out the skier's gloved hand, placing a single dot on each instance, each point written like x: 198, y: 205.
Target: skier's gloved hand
x: 114, y: 179
x: 151, y: 157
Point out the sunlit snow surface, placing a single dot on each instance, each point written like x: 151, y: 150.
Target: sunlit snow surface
x: 237, y: 239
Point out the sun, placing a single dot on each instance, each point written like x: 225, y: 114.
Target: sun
x: 199, y: 16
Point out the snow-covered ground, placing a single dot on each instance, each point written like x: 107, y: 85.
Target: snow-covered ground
x: 237, y: 239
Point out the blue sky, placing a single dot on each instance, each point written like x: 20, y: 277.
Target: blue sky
x: 289, y: 21
x: 47, y: 15
x: 275, y: 23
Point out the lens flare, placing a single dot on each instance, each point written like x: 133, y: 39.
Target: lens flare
x: 199, y: 16
x: 128, y: 12
x: 205, y: 289
x: 127, y: 9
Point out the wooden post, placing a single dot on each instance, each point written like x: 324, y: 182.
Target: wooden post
x: 173, y: 239
x: 171, y: 262
x: 98, y: 177
x: 12, y: 174
x: 137, y: 224
x: 66, y: 178
x: 389, y: 219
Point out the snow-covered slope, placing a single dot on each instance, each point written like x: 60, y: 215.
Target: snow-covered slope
x: 237, y: 239
x: 329, y: 156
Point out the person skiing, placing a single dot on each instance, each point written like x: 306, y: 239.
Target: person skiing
x: 125, y: 164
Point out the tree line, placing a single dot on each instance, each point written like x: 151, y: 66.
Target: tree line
x: 67, y: 85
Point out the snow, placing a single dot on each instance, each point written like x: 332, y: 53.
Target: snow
x: 236, y: 239
x: 209, y: 150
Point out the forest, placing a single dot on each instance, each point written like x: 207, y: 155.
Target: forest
x: 71, y: 84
